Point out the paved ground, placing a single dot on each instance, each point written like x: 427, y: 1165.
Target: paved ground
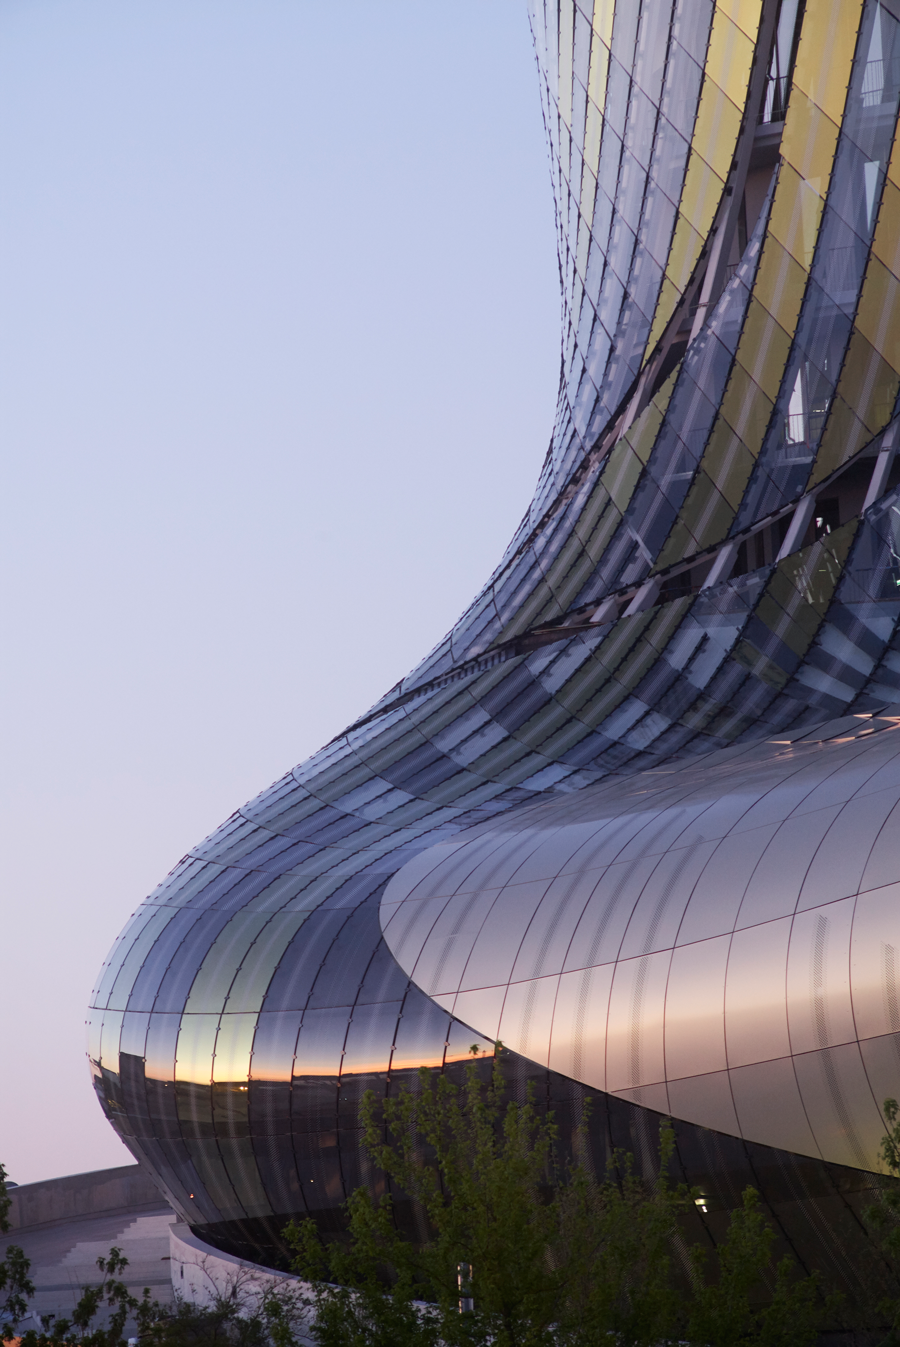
x: 64, y: 1255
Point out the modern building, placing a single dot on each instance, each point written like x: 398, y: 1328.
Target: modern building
x: 638, y: 815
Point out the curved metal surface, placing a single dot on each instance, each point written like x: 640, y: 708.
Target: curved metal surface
x: 717, y: 941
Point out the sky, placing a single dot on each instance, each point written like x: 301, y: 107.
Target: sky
x: 279, y: 350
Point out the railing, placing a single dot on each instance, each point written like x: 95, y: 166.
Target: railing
x: 802, y: 431
x: 873, y: 83
x: 880, y: 79
x: 880, y: 82
x: 774, y: 105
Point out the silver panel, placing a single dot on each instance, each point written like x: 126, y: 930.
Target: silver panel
x: 837, y: 868
x: 695, y: 1018
x: 634, y: 1034
x: 756, y: 1026
x: 549, y: 934
x: 481, y: 1009
x: 598, y: 935
x: 769, y: 1107
x: 706, y: 1100
x: 841, y: 1109
x: 818, y: 978
x: 578, y: 1039
x: 777, y: 879
x: 881, y: 1060
x: 702, y: 964
x: 883, y: 865
x: 527, y: 1019
x: 875, y: 962
x: 719, y: 890
x: 497, y: 944
x: 659, y: 910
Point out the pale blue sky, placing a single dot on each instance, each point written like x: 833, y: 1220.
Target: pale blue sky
x: 279, y: 344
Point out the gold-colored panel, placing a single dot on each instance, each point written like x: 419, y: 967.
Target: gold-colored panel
x: 535, y: 731
x: 665, y: 307
x: 686, y: 247
x: 746, y: 409
x: 825, y: 53
x: 539, y: 607
x: 893, y: 168
x: 568, y: 586
x: 886, y: 243
x: 878, y: 315
x: 710, y: 519
x: 703, y: 188
x: 729, y: 57
x: 780, y: 285
x: 598, y: 78
x: 745, y: 13
x: 641, y: 435
x: 591, y: 511
x: 588, y: 195
x: 593, y: 133
x: 565, y: 158
x: 681, y: 541
x: 584, y: 684
x: 729, y: 462
x: 603, y: 19
x: 621, y: 474
x: 815, y: 571
x: 809, y: 141
x: 566, y: 40
x: 844, y: 434
x: 715, y: 137
x: 796, y: 215
x: 713, y: 515
x: 599, y: 538
x: 763, y: 349
x: 868, y: 384
x: 784, y: 611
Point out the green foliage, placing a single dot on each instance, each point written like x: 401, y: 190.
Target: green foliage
x: 242, y: 1315
x: 5, y: 1201
x: 15, y: 1285
x: 558, y: 1258
x: 238, y: 1316
x: 884, y: 1214
x: 723, y: 1313
x: 111, y: 1295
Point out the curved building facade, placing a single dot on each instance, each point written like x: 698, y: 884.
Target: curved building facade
x: 638, y: 815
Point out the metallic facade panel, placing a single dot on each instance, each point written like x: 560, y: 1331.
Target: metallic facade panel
x: 777, y: 983
x: 695, y: 1024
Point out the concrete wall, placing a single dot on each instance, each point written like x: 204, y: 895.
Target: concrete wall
x: 102, y: 1190
x: 201, y: 1274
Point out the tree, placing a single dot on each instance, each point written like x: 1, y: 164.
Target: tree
x: 884, y: 1214
x: 15, y: 1285
x: 546, y: 1255
x: 240, y: 1315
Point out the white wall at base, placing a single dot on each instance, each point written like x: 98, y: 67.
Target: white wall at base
x: 201, y: 1274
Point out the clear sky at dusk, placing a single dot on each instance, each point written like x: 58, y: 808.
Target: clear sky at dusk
x: 279, y: 347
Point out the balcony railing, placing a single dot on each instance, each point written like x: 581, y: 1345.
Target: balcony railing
x: 774, y: 105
